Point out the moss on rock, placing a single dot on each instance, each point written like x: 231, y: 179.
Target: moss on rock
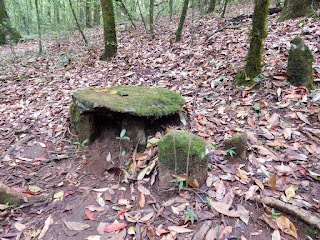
x: 174, y: 152
x: 238, y: 144
x: 296, y: 8
x: 138, y: 101
x: 300, y: 62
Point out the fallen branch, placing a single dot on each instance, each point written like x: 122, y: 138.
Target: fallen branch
x: 289, y: 209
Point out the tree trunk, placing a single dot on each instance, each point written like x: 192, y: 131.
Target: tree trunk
x: 141, y: 15
x: 296, y: 8
x: 81, y: 13
x: 88, y: 14
x: 258, y: 33
x: 126, y: 12
x: 39, y: 26
x: 224, y: 8
x: 109, y: 27
x: 96, y: 16
x: 212, y: 6
x: 7, y: 32
x: 171, y: 9
x: 182, y: 19
x: 151, y: 9
x: 78, y: 24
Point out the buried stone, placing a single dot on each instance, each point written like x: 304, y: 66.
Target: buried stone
x: 131, y: 106
x: 182, y: 155
x: 236, y: 148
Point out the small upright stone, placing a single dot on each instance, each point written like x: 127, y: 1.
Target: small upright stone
x: 300, y: 64
x: 236, y: 148
x: 175, y: 150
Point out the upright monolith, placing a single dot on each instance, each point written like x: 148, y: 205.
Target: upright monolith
x: 300, y: 61
x: 182, y: 155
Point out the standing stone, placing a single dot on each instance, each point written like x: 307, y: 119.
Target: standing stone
x: 174, y: 151
x: 300, y: 64
x: 238, y: 144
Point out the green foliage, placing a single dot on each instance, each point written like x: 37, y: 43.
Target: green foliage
x: 207, y: 201
x: 122, y: 135
x: 256, y: 107
x: 179, y: 182
x: 273, y: 214
x: 231, y: 151
x: 190, y: 215
x: 81, y: 144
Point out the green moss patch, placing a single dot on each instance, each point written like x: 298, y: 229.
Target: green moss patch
x: 174, y: 152
x: 134, y: 100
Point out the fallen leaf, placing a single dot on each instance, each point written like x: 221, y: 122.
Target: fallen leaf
x: 303, y: 117
x: 90, y: 215
x: 46, y: 226
x: 287, y: 226
x: 93, y: 208
x: 114, y: 227
x: 276, y: 235
x: 290, y: 192
x: 252, y: 190
x: 180, y: 229
x: 77, y: 226
x: 142, y: 201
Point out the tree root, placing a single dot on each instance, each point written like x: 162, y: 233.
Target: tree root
x: 288, y: 208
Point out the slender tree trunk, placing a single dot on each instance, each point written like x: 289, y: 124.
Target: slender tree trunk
x: 39, y: 26
x: 7, y: 32
x: 151, y: 10
x: 212, y: 6
x: 109, y: 27
x: 141, y: 15
x: 171, y: 9
x: 126, y: 12
x: 88, y: 14
x: 81, y: 13
x: 224, y: 8
x: 97, y: 12
x: 56, y: 12
x: 258, y: 34
x: 182, y: 19
x: 78, y: 25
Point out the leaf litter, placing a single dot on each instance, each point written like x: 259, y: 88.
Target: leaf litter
x: 282, y: 123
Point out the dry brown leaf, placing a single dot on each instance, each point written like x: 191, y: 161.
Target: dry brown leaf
x: 142, y: 201
x: 252, y: 190
x: 224, y: 209
x: 287, y: 133
x: 225, y: 232
x: 287, y: 226
x: 259, y: 183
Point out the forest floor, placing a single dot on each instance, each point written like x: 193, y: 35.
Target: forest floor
x: 281, y: 121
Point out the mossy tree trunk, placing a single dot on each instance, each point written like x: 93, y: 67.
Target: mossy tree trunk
x: 7, y: 32
x: 109, y: 28
x: 171, y: 9
x: 151, y: 10
x: 297, y: 8
x: 212, y: 6
x: 258, y: 33
x: 182, y: 19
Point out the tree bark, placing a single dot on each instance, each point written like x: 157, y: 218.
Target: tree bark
x: 151, y: 10
x: 224, y: 8
x: 182, y: 19
x: 171, y: 9
x: 141, y: 15
x: 126, y: 12
x: 97, y: 12
x: 39, y: 26
x: 7, y: 32
x: 88, y: 14
x: 258, y: 34
x: 109, y: 27
x: 297, y: 8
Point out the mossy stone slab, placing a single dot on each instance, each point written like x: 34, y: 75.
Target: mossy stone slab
x: 133, y: 100
x: 174, y: 153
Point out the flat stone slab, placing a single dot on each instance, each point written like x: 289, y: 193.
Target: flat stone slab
x: 129, y: 105
x: 134, y: 100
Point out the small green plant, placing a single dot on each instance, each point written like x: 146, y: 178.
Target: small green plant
x: 122, y: 137
x: 4, y: 207
x: 81, y: 144
x: 213, y: 146
x: 190, y: 215
x: 179, y: 182
x: 257, y: 107
x: 273, y: 214
x: 207, y: 201
x: 230, y: 151
x: 312, y: 233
